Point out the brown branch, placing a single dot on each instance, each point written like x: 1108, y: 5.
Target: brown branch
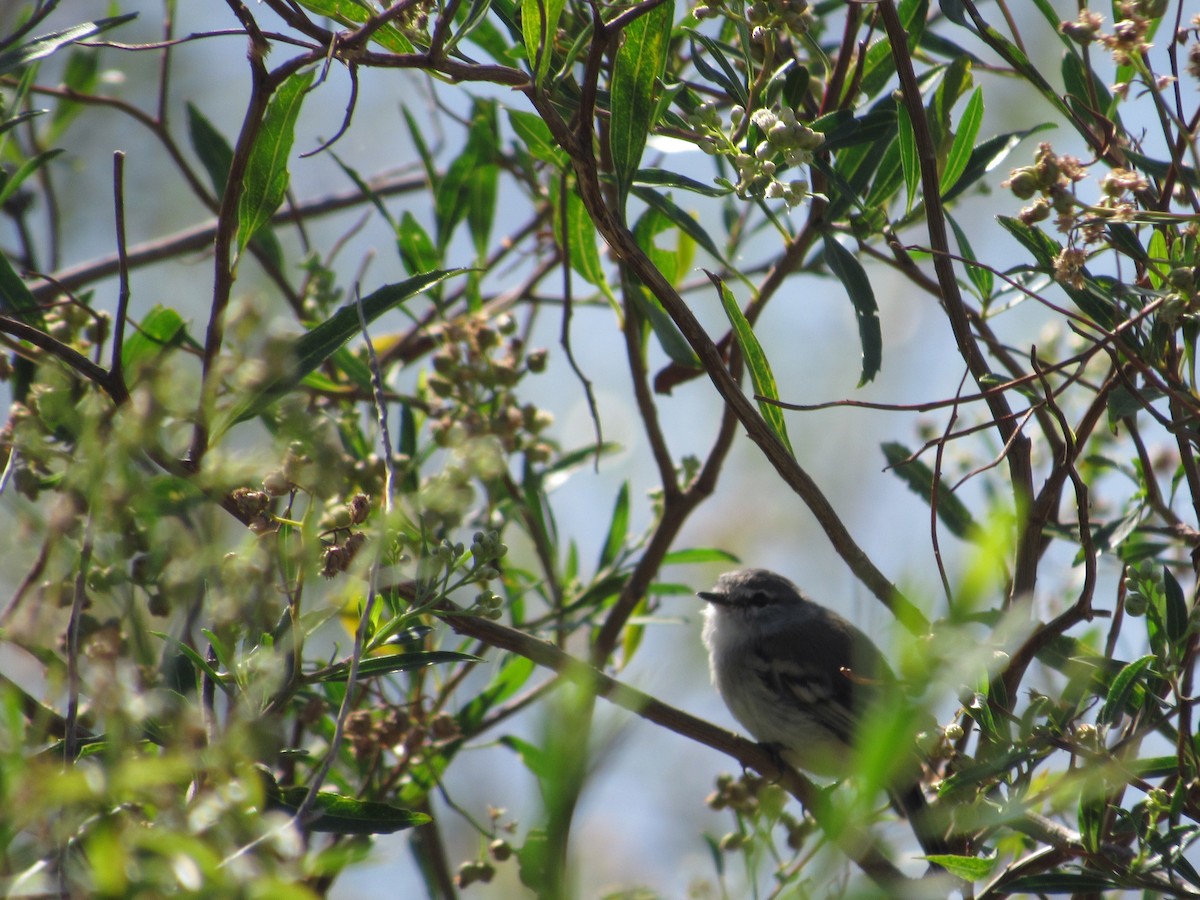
x: 1020, y: 466
x: 625, y: 247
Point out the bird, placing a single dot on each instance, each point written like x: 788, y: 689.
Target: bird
x: 801, y: 679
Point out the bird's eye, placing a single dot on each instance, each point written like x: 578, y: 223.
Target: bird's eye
x: 758, y: 598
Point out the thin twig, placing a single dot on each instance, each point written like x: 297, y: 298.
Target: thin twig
x: 116, y: 370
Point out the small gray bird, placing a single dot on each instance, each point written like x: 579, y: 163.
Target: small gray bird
x: 799, y: 678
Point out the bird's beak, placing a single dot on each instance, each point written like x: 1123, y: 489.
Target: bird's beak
x: 713, y: 597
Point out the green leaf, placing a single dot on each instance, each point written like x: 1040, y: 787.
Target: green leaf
x: 1037, y: 242
x: 453, y: 193
x: 1124, y: 688
x: 888, y: 177
x: 81, y: 75
x: 640, y: 62
x: 730, y: 80
x: 41, y: 47
x: 314, y: 347
x: 266, y: 178
x: 27, y: 168
x: 951, y: 511
x: 649, y: 225
x: 698, y: 555
x: 539, y: 25
x: 16, y: 299
x: 981, y: 276
x: 1176, y: 612
x: 210, y: 147
x: 374, y: 666
x: 618, y: 529
x: 578, y: 239
x: 1060, y: 883
x: 535, y: 135
x: 418, y: 139
x: 679, y: 218
x: 666, y: 178
x: 19, y: 118
x: 343, y: 814
x: 354, y: 13
x: 513, y: 675
x: 159, y: 329
x: 221, y: 681
x: 990, y: 154
x: 849, y: 271
x: 417, y: 250
x: 968, y: 868
x: 909, y: 159
x: 964, y: 141
x: 756, y: 362
x: 216, y: 156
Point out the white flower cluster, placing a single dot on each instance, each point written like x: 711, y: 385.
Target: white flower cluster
x: 785, y: 143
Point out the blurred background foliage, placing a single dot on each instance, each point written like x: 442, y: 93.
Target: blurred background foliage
x: 378, y: 383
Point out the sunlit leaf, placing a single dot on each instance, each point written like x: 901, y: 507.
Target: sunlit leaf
x: 964, y: 141
x: 640, y: 62
x: 41, y: 47
x: 756, y: 361
x: 266, y: 178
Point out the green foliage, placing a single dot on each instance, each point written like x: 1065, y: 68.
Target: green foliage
x: 247, y: 651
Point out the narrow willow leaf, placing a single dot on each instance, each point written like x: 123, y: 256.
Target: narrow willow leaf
x: 951, y: 511
x: 666, y: 178
x: 27, y: 168
x: 210, y: 147
x: 221, y: 681
x: 955, y: 80
x: 849, y: 271
x: 216, y: 156
x: 342, y: 814
x: 908, y: 155
x: 160, y: 328
x: 1176, y: 612
x: 1041, y: 245
x: 981, y: 276
x: 727, y: 75
x: 1124, y: 688
x: 679, y: 218
x: 481, y: 207
x: 539, y: 24
x: 1158, y: 252
x: 417, y: 250
x: 964, y: 141
x: 888, y: 178
x: 578, y: 239
x: 16, y: 299
x: 387, y: 664
x: 482, y: 32
x: 756, y: 362
x: 1061, y: 883
x: 41, y: 47
x: 354, y: 13
x: 968, y: 868
x: 266, y: 179
x: 313, y: 348
x: 641, y: 61
x: 698, y: 555
x: 535, y: 135
x: 19, y: 118
x: 450, y: 200
x: 618, y: 529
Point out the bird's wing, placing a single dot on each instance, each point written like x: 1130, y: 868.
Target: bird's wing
x: 836, y: 678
